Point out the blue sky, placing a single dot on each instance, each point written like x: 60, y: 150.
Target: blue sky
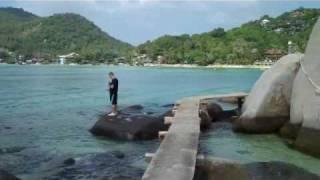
x: 136, y: 21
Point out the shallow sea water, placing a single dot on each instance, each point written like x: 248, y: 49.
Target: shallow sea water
x: 46, y: 111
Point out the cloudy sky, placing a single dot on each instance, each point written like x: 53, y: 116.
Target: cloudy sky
x: 136, y: 21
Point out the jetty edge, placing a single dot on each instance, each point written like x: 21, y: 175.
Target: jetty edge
x: 175, y: 159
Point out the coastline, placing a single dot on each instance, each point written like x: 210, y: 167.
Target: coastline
x: 215, y: 66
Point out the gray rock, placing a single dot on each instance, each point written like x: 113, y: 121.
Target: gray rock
x: 267, y: 107
x: 214, y: 111
x: 130, y: 124
x: 205, y: 122
x: 305, y: 101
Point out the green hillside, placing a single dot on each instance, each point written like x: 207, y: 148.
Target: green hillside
x: 23, y: 33
x: 242, y: 45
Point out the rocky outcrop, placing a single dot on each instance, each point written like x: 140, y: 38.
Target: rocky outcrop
x: 130, y: 124
x: 305, y: 106
x: 223, y: 169
x: 218, y: 168
x: 267, y: 107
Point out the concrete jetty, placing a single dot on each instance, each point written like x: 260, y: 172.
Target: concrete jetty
x: 176, y: 156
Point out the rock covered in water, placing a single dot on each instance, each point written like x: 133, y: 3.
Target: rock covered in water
x: 4, y: 175
x: 305, y: 102
x: 267, y: 106
x: 130, y: 124
x: 289, y: 131
x: 69, y: 162
x: 223, y: 169
x: 276, y: 170
x: 98, y: 166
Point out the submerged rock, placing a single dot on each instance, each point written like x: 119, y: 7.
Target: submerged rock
x: 4, y: 175
x: 130, y: 124
x: 223, y: 169
x: 289, y: 130
x: 10, y: 150
x: 92, y: 167
x: 278, y: 171
x: 118, y: 154
x: 305, y: 103
x: 267, y: 106
x: 69, y: 162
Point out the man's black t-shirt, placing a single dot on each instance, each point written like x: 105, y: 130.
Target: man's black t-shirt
x: 114, y: 89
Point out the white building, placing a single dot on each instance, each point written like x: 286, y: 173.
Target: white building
x: 264, y: 22
x: 62, y: 58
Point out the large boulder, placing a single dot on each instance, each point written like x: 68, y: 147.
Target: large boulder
x: 214, y: 111
x: 305, y: 102
x: 130, y: 124
x: 267, y: 106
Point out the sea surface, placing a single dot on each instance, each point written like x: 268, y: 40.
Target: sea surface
x: 46, y: 111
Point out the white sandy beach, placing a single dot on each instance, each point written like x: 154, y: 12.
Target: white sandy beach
x: 209, y: 66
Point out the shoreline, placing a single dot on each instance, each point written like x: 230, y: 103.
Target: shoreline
x: 215, y: 66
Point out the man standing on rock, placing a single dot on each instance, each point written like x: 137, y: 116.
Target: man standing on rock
x: 113, y: 89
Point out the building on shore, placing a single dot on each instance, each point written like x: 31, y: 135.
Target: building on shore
x: 141, y: 59
x: 274, y: 54
x: 63, y: 58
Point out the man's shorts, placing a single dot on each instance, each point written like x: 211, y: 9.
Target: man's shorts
x: 114, y: 99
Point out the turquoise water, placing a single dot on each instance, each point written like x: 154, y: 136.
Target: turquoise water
x: 46, y: 111
x: 224, y: 143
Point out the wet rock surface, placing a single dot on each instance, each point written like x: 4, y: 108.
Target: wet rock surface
x: 223, y: 169
x: 289, y: 131
x: 278, y: 171
x: 218, y: 168
x: 308, y: 141
x: 4, y: 175
x: 131, y: 123
x: 103, y: 166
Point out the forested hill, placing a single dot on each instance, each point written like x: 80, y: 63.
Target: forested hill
x: 242, y: 45
x: 23, y: 33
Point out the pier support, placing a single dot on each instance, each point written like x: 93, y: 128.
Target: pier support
x: 162, y: 134
x: 148, y: 157
x: 168, y: 120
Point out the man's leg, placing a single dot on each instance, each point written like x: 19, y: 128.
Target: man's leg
x: 114, y: 108
x: 114, y: 103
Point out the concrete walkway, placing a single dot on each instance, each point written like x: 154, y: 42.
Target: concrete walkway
x: 175, y: 159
